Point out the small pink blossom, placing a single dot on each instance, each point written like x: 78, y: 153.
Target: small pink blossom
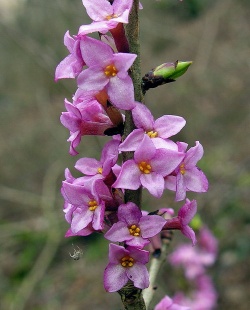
x: 105, y: 15
x: 148, y: 168
x: 107, y: 70
x: 188, y: 177
x: 185, y: 214
x: 126, y: 264
x: 134, y: 228
x: 84, y: 120
x: 158, y: 130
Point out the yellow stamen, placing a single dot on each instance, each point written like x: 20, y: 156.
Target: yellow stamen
x: 134, y: 230
x: 145, y: 167
x: 182, y: 169
x: 111, y: 16
x: 99, y: 170
x: 110, y: 71
x: 92, y: 205
x: 127, y: 261
x: 152, y: 134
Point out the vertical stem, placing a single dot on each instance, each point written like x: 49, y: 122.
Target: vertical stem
x: 130, y: 295
x: 132, y: 34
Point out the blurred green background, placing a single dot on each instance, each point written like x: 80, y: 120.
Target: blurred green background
x: 36, y: 270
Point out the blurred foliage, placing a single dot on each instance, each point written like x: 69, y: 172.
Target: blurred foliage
x: 36, y: 270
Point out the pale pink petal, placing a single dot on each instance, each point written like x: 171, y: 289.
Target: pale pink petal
x: 154, y: 183
x: 88, y: 166
x: 129, y: 176
x: 114, y: 277
x: 98, y: 9
x: 142, y: 117
x: 194, y: 154
x: 92, y: 79
x: 139, y: 275
x: 169, y: 125
x: 195, y: 180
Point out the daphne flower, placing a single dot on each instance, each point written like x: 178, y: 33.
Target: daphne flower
x: 105, y: 15
x: 88, y: 120
x: 124, y: 265
x: 92, y: 167
x: 148, y: 168
x: 188, y: 177
x: 158, y: 130
x: 71, y: 65
x: 107, y: 70
x: 134, y: 228
x: 185, y: 214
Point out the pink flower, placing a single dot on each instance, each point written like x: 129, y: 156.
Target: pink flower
x: 148, y: 168
x: 133, y: 227
x: 105, y: 15
x: 107, y: 70
x: 126, y: 264
x: 158, y: 130
x: 187, y: 176
x: 72, y: 65
x: 185, y: 214
x: 86, y: 206
x: 88, y: 119
x: 168, y: 304
x: 92, y: 167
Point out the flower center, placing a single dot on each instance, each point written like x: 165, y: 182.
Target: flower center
x: 99, y: 170
x: 145, y: 167
x: 182, y: 169
x: 134, y: 230
x: 110, y: 71
x: 92, y: 205
x: 152, y: 134
x: 127, y: 261
x: 108, y: 17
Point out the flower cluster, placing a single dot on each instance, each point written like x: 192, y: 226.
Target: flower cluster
x: 95, y: 202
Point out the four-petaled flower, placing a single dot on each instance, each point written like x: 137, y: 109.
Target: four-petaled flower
x: 134, y: 228
x: 188, y: 177
x: 108, y: 70
x: 126, y: 264
x: 148, y: 168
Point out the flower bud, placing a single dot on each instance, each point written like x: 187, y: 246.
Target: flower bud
x: 165, y: 73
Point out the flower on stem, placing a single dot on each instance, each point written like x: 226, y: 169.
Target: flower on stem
x: 134, y: 228
x: 185, y: 214
x: 124, y: 265
x: 188, y: 177
x: 86, y: 205
x: 158, y: 130
x: 86, y: 120
x: 71, y: 65
x: 92, y: 167
x: 149, y: 168
x: 105, y: 15
x: 107, y: 70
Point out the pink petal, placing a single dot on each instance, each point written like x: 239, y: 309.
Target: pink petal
x: 92, y: 79
x: 180, y: 187
x: 121, y: 93
x: 129, y: 213
x: 88, y: 166
x: 154, y: 183
x: 139, y: 275
x: 95, y: 52
x: 195, y: 180
x: 129, y: 176
x: 114, y: 277
x: 118, y: 233
x: 132, y: 141
x: 194, y: 154
x: 81, y: 220
x: 169, y: 125
x: 142, y: 117
x: 187, y: 212
x: 151, y: 225
x: 98, y: 9
x: 146, y: 150
x: 189, y: 233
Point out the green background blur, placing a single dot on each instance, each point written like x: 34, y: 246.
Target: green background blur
x: 36, y: 270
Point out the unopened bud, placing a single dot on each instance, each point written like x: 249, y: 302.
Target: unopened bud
x: 165, y: 73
